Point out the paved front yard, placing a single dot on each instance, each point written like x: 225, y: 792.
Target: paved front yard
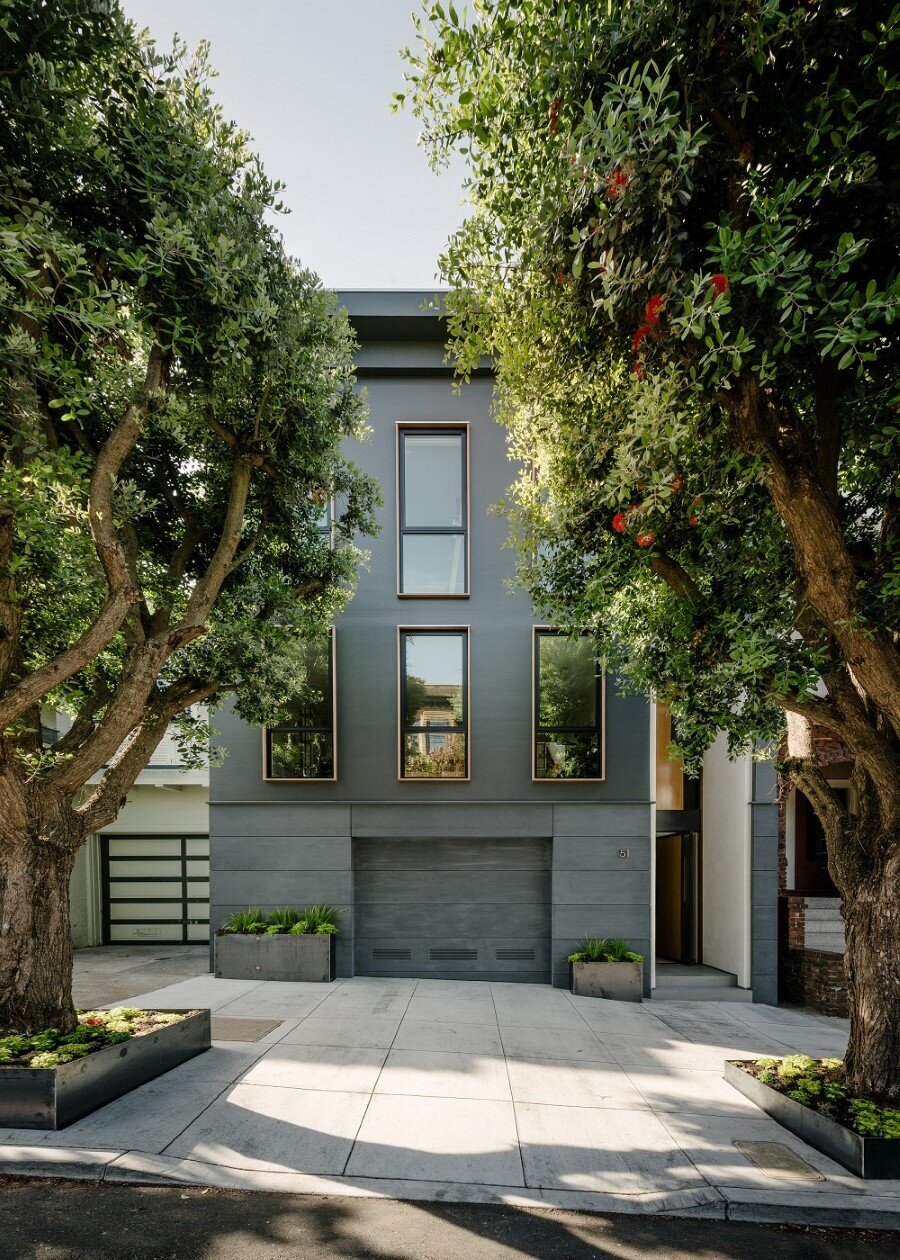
x: 467, y: 1091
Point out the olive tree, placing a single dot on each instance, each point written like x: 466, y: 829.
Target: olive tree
x: 174, y: 393
x: 682, y: 253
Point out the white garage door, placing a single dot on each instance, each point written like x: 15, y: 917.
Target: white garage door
x: 155, y: 889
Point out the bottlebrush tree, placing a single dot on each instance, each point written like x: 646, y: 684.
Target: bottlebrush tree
x: 682, y: 254
x: 174, y: 392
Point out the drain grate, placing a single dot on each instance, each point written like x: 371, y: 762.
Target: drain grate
x: 779, y: 1161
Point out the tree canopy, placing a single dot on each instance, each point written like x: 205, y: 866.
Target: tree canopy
x: 683, y: 256
x: 176, y: 393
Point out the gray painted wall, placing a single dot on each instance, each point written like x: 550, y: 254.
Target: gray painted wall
x: 283, y: 843
x: 764, y: 885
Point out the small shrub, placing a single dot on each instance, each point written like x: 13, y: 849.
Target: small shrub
x: 282, y: 919
x: 249, y: 922
x: 605, y: 949
x: 818, y: 1083
x: 321, y: 919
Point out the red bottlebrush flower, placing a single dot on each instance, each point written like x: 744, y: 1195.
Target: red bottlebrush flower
x: 677, y: 483
x: 561, y: 277
x: 620, y: 522
x: 653, y: 310
x: 694, y: 520
x: 719, y: 282
x: 646, y: 540
x: 616, y: 182
x: 637, y: 370
x: 695, y: 502
x: 639, y: 336
x: 553, y: 115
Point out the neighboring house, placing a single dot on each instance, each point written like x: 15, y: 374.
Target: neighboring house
x: 811, y: 929
x: 144, y: 880
x: 462, y: 782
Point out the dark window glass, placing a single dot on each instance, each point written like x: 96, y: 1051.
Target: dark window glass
x: 300, y: 745
x: 433, y: 512
x: 569, y: 707
x: 434, y: 704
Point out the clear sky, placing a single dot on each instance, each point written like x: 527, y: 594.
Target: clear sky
x: 311, y: 80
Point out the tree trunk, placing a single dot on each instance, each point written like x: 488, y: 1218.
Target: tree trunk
x: 872, y: 922
x: 35, y: 934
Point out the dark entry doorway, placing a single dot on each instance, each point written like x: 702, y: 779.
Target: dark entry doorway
x: 677, y: 911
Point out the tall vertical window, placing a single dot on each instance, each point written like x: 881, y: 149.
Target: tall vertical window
x: 433, y: 510
x: 301, y: 744
x: 568, y: 707
x: 434, y: 704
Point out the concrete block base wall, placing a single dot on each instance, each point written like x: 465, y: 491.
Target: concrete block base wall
x: 811, y: 961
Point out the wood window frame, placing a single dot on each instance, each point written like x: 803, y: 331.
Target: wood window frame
x: 267, y: 730
x: 536, y: 632
x: 431, y: 426
x: 466, y: 728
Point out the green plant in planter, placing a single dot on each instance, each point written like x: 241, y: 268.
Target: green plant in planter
x: 250, y: 922
x: 317, y: 919
x: 605, y: 949
x: 282, y: 919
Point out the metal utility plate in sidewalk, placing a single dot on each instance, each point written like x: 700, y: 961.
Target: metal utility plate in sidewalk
x: 241, y: 1029
x: 778, y: 1160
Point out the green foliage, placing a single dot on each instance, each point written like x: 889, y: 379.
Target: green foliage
x: 283, y: 920
x: 319, y: 918
x: 135, y: 221
x: 249, y: 921
x: 605, y: 949
x: 95, y: 1029
x: 819, y: 1083
x: 673, y: 206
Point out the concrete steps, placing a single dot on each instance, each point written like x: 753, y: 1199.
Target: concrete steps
x: 678, y: 983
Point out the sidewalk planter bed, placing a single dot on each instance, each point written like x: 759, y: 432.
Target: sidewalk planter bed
x: 287, y: 944
x: 605, y: 968
x: 875, y: 1158
x: 52, y: 1097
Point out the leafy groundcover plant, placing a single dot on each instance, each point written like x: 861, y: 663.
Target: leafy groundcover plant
x: 605, y: 949
x: 819, y: 1083
x: 94, y: 1030
x: 283, y: 921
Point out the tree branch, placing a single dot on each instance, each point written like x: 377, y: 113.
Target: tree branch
x: 677, y: 578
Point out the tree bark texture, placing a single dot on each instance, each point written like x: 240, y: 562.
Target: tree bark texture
x: 35, y: 931
x: 872, y: 924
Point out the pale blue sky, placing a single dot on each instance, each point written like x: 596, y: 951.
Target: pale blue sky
x: 311, y: 80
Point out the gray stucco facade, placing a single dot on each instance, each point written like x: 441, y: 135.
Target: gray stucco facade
x: 293, y: 843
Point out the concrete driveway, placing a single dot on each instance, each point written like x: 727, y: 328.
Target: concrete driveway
x: 464, y: 1091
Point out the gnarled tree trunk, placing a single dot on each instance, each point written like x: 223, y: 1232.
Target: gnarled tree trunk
x: 872, y: 922
x: 39, y: 839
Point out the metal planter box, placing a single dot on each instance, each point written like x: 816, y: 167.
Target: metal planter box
x: 877, y: 1159
x: 621, y: 981
x: 51, y: 1098
x: 282, y: 957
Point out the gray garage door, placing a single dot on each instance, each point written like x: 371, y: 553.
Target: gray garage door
x: 454, y: 909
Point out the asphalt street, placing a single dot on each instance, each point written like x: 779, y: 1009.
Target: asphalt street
x: 56, y: 1220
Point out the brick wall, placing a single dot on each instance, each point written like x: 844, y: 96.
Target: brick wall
x: 808, y: 974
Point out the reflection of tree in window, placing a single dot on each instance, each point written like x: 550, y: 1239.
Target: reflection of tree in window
x: 567, y: 735
x: 301, y: 741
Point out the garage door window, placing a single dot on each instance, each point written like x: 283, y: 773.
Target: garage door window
x: 568, y: 707
x: 434, y: 703
x: 302, y: 745
x: 155, y: 889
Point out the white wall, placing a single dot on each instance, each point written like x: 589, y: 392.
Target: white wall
x: 727, y: 787
x: 162, y: 811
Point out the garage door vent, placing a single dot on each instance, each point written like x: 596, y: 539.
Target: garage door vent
x: 514, y: 955
x: 453, y: 955
x: 392, y: 955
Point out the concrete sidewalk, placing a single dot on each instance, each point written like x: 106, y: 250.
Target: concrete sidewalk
x: 469, y: 1092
